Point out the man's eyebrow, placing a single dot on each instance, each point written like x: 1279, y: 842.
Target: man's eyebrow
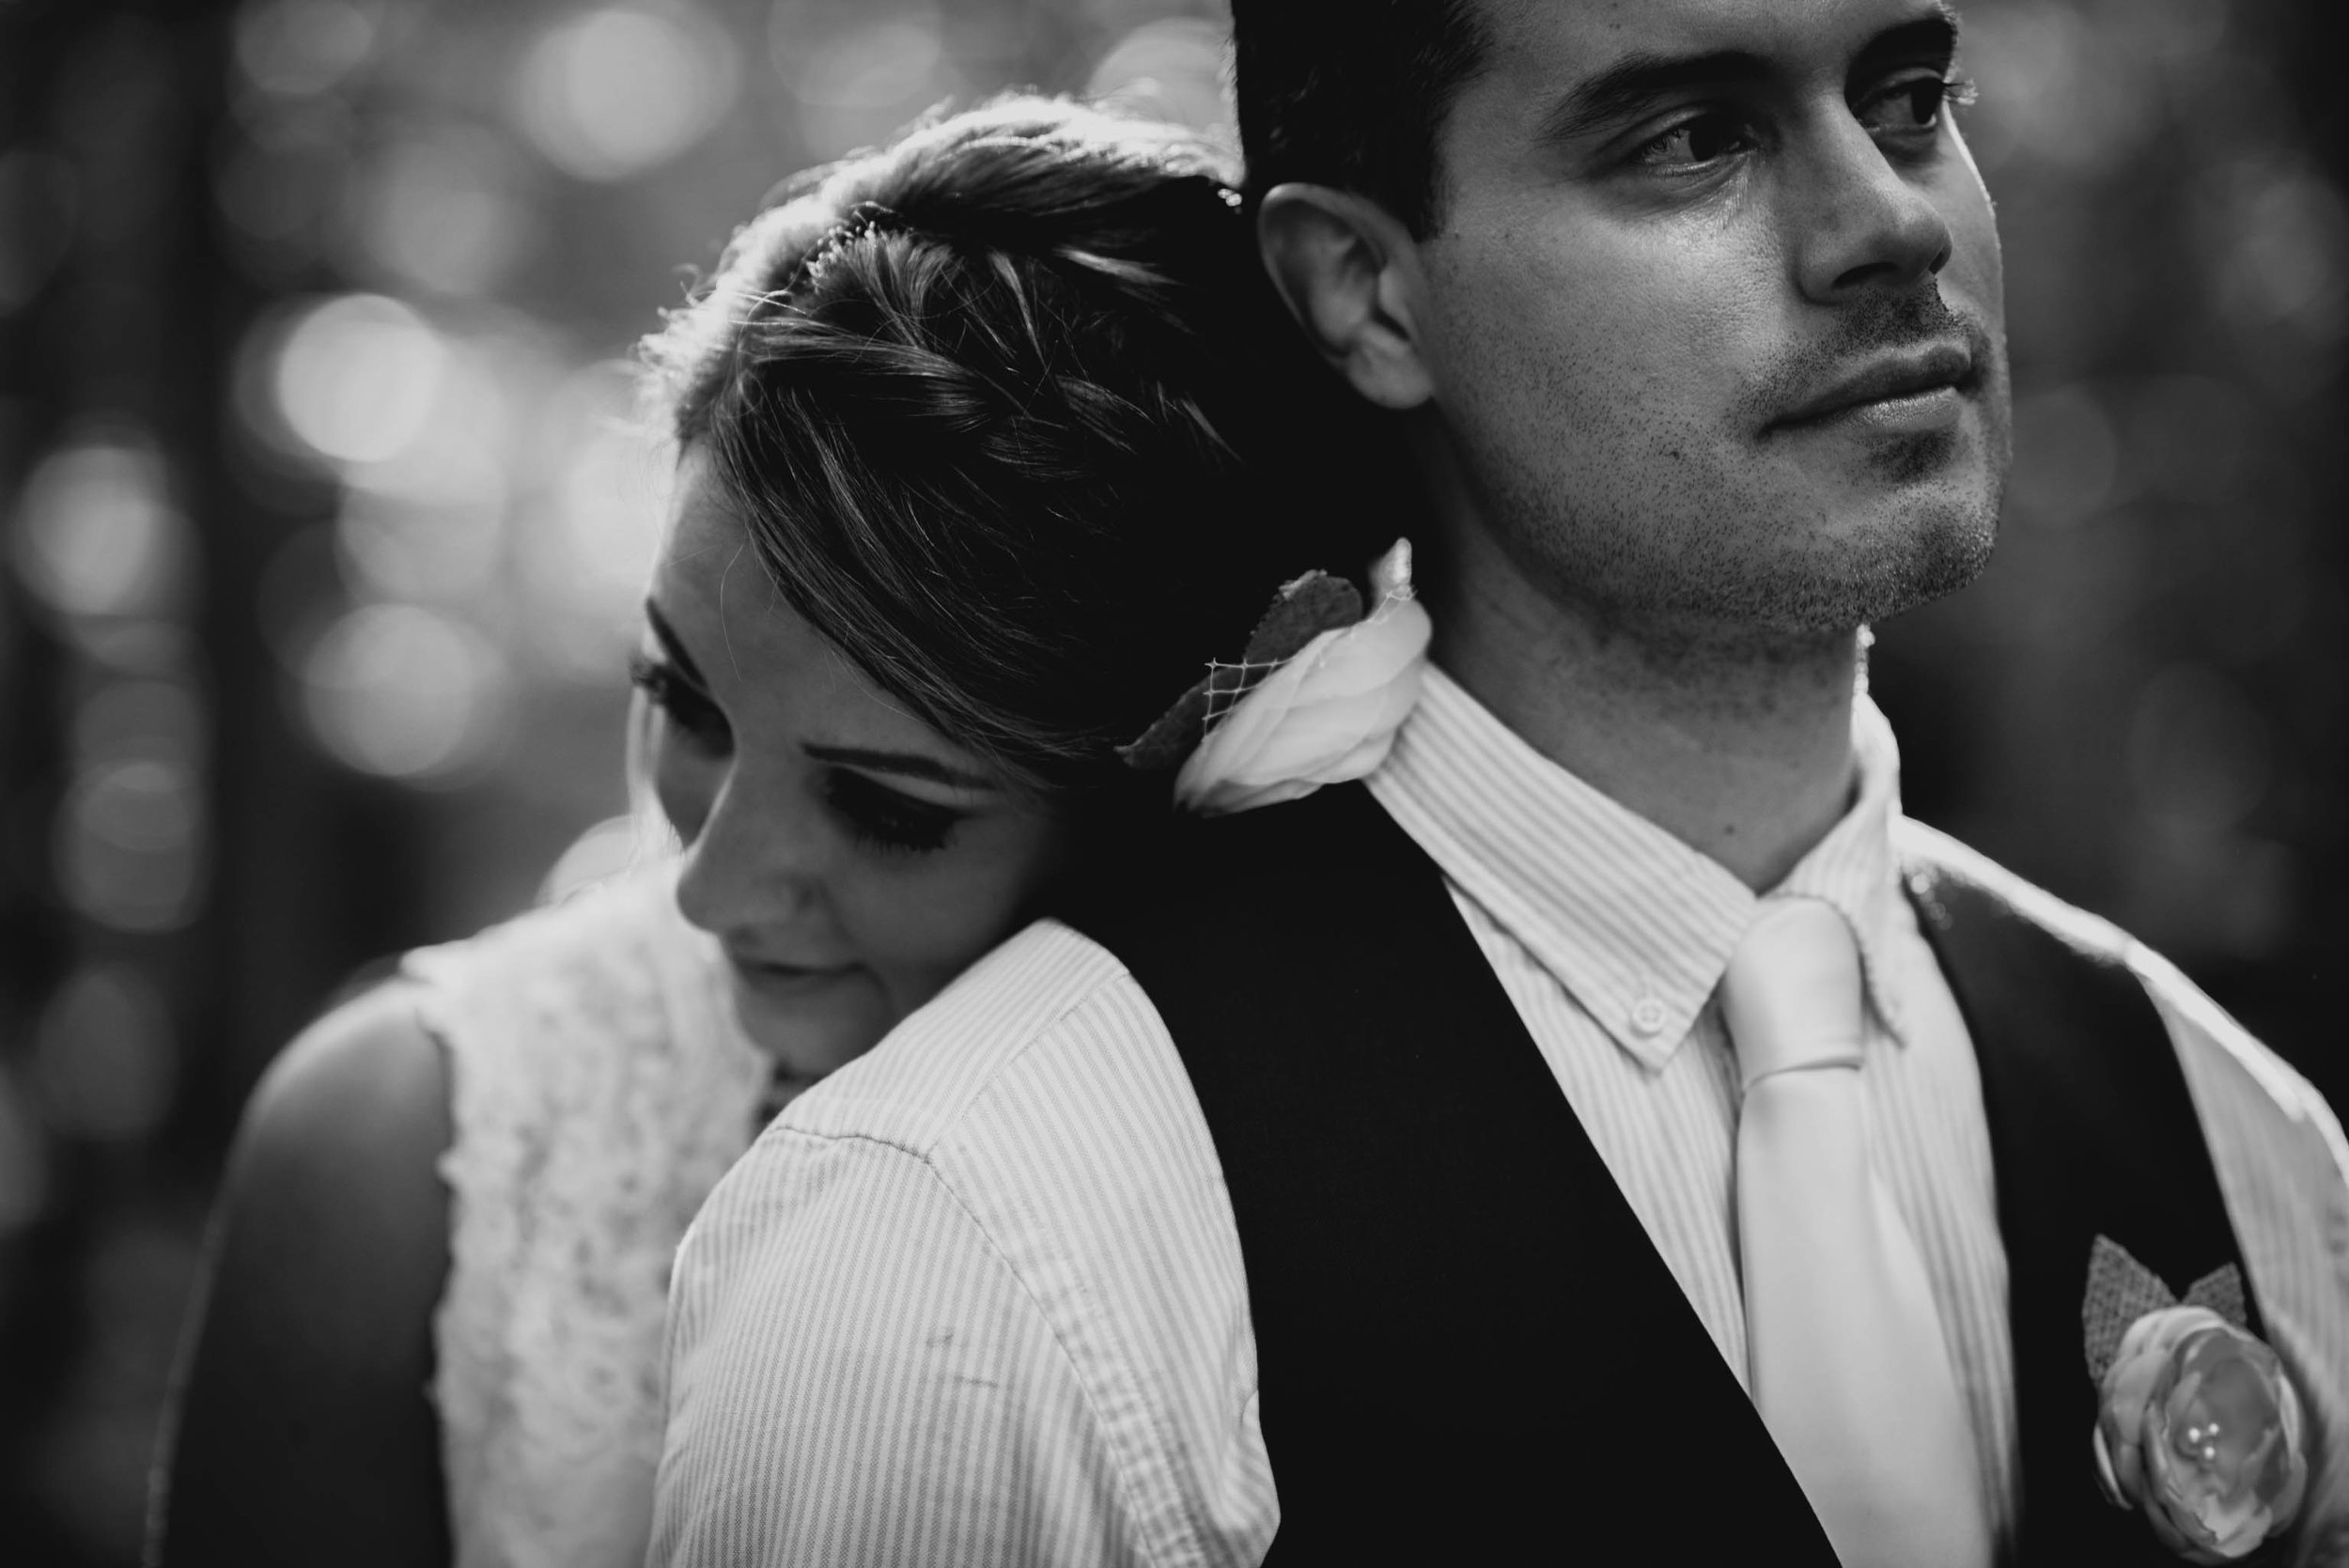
x: 912, y: 765
x: 1932, y: 37
x: 1636, y: 81
x: 671, y: 648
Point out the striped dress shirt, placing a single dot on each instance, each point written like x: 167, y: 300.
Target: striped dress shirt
x: 979, y: 1298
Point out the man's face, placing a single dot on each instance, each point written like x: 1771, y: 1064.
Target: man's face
x: 1714, y: 309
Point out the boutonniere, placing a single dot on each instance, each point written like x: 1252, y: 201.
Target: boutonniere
x: 1315, y: 699
x: 2196, y: 1426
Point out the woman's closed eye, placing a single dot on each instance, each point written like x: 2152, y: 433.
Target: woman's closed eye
x: 885, y: 820
x: 681, y: 702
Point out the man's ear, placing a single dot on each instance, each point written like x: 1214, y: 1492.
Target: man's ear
x: 1350, y: 276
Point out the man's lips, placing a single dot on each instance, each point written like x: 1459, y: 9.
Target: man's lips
x: 1911, y: 374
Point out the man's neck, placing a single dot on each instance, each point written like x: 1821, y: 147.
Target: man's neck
x: 1738, y: 744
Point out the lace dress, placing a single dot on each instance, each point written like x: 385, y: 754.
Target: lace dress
x: 600, y: 1088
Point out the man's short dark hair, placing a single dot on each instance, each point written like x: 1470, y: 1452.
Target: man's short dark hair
x: 1351, y: 93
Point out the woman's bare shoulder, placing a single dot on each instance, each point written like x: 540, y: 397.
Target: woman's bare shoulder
x: 304, y: 1399
x: 351, y: 1120
x: 334, y: 1224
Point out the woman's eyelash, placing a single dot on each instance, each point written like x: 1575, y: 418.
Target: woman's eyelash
x: 686, y: 704
x: 877, y: 816
x: 881, y: 818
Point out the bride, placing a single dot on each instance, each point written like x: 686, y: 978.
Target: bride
x: 991, y: 441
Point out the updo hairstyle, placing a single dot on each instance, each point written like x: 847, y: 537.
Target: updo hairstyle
x: 1011, y: 414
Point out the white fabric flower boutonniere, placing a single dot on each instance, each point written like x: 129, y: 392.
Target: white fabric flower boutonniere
x: 2198, y: 1427
x: 1314, y: 700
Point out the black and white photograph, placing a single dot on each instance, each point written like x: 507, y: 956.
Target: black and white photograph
x: 1034, y: 783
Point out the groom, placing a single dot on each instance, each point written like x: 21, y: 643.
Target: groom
x: 1612, y: 1132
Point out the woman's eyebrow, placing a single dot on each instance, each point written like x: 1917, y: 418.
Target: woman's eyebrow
x: 672, y: 648
x: 910, y: 764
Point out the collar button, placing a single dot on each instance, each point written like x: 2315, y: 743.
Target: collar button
x: 1648, y: 1016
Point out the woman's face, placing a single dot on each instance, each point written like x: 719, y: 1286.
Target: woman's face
x: 848, y: 857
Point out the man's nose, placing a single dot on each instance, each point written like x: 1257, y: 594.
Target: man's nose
x: 753, y: 866
x: 1860, y: 222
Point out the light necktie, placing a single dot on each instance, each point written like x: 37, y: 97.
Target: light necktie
x: 1849, y: 1368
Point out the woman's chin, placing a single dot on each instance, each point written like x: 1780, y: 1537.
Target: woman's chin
x: 810, y: 1026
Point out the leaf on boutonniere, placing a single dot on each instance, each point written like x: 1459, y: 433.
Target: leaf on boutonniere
x: 2121, y: 1290
x: 1303, y: 610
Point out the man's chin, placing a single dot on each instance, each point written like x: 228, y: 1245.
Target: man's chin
x: 1894, y: 568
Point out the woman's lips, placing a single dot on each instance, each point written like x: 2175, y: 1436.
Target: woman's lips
x: 773, y: 977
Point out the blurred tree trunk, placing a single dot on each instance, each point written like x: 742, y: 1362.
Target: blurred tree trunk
x: 126, y: 109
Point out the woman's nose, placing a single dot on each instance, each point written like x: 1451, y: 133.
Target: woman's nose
x: 753, y: 866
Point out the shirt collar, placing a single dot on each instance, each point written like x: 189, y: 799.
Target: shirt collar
x: 1637, y: 925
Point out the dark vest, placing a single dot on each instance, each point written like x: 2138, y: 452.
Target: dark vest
x: 1469, y: 1351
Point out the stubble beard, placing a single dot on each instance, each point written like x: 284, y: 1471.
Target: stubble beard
x: 1730, y: 580
x: 1749, y: 543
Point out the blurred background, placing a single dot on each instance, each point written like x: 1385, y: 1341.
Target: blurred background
x: 322, y: 525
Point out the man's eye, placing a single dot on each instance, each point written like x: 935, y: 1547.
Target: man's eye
x: 681, y: 702
x: 1695, y: 142
x: 881, y: 818
x: 1912, y: 104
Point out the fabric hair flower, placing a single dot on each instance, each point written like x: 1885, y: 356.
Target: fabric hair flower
x: 2199, y: 1429
x: 1314, y: 700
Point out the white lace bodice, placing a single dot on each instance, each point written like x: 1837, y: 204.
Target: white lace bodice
x: 600, y: 1088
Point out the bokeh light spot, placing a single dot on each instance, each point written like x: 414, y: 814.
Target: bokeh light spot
x: 620, y: 89
x: 1171, y: 70
x: 356, y: 377
x: 104, y: 1057
x: 585, y: 547
x: 401, y: 691
x: 97, y: 532
x: 2060, y: 92
x: 857, y: 85
x: 443, y: 210
x: 2066, y: 457
x: 406, y: 547
x: 300, y: 47
x: 2200, y: 755
x: 130, y: 842
x: 127, y: 719
x: 2288, y: 236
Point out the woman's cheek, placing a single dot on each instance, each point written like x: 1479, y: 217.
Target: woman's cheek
x: 919, y: 931
x: 686, y: 785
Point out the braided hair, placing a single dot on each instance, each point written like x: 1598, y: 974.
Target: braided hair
x: 1012, y: 417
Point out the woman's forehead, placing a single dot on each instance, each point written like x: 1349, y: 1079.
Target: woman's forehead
x: 779, y: 677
